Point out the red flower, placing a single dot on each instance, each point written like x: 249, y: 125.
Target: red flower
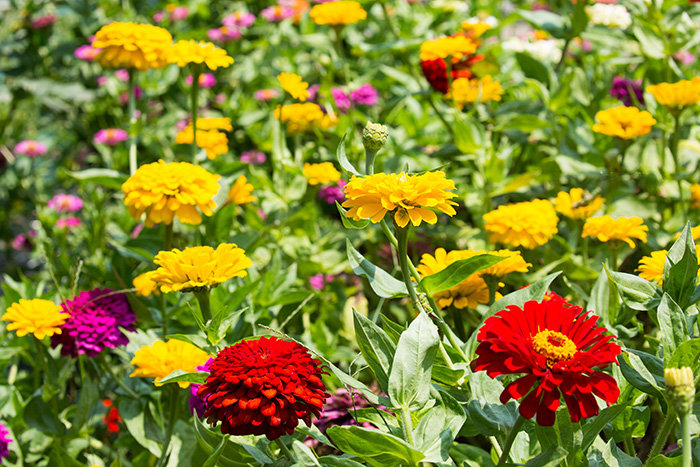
x: 112, y: 419
x: 263, y: 387
x: 435, y: 71
x: 558, y: 347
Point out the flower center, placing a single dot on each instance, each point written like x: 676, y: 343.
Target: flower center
x: 553, y: 345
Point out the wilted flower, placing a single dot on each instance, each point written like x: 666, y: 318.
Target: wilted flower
x: 612, y: 16
x: 38, y: 317
x: 65, y: 203
x: 321, y: 174
x: 294, y: 85
x: 266, y: 94
x: 86, y: 52
x: 253, y: 157
x: 240, y: 192
x: 624, y: 122
x: 186, y: 52
x: 338, y: 13
x: 30, y: 148
x: 576, y: 204
x: 528, y: 224
x: 162, y: 358
x: 111, y: 136
x: 678, y: 95
x: 623, y: 88
x: 129, y: 45
x: 68, y: 222
x: 206, y: 80
x: 364, y: 95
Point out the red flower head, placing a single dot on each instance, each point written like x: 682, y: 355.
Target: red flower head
x: 112, y: 419
x: 558, y: 348
x: 435, y: 71
x: 263, y: 387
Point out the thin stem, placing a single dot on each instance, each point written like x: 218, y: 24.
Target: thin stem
x: 407, y: 425
x: 369, y: 161
x: 285, y: 450
x: 168, y: 237
x: 402, y: 234
x: 119, y: 382
x: 49, y: 380
x: 563, y: 53
x: 172, y: 418
x: 341, y: 52
x: 195, y: 96
x: 613, y: 256
x: 204, y: 305
x: 446, y: 356
x: 687, y: 447
x: 133, y: 160
x: 666, y: 428
x: 511, y: 437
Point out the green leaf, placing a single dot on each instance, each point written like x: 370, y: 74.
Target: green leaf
x: 553, y: 23
x: 637, y: 293
x: 470, y: 134
x: 381, y: 281
x: 596, y: 425
x: 457, y: 272
x: 332, y: 461
x: 580, y: 19
x: 134, y: 415
x: 681, y: 269
x: 438, y: 428
x: 663, y: 461
x: 104, y: 177
x: 409, y: 380
x: 348, y: 222
x: 393, y: 329
x: 374, y: 447
x: 651, y: 45
x: 521, y: 122
x: 376, y: 347
x: 492, y: 419
x: 38, y: 415
x: 645, y: 372
x: 470, y: 456
x: 216, y: 453
x: 552, y: 457
x: 633, y: 422
x: 687, y: 354
x: 532, y: 67
x: 614, y: 457
x: 343, y: 159
x: 674, y: 329
x: 180, y: 376
x: 221, y: 323
x: 234, y: 454
x: 89, y: 395
x: 305, y: 456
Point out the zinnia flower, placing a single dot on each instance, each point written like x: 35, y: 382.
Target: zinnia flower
x: 266, y: 94
x: 623, y: 88
x: 576, y: 204
x: 651, y: 267
x: 68, y: 222
x: 162, y: 358
x: 605, y: 229
x: 294, y: 85
x: 214, y: 142
x: 411, y: 197
x: 338, y: 13
x: 678, y: 95
x: 206, y: 80
x: 468, y: 91
x: 186, y: 52
x: 129, y: 45
x: 330, y: 194
x: 86, y: 52
x: 365, y: 95
x: 164, y: 191
x: 240, y: 192
x: 94, y: 322
x: 5, y: 440
x: 37, y: 316
x: 145, y: 285
x: 513, y: 262
x: 275, y: 14
x: 112, y: 418
x: 454, y: 47
x: 263, y: 386
x: 528, y: 224
x: 304, y: 117
x: 321, y: 174
x: 224, y: 34
x: 253, y: 157
x: 612, y: 16
x: 342, y: 102
x: 239, y: 19
x: 624, y: 122
x: 65, y: 203
x: 111, y: 136
x: 30, y: 148
x: 558, y: 349
x: 198, y: 267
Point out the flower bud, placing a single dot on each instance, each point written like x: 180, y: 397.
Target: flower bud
x: 374, y: 136
x: 680, y: 388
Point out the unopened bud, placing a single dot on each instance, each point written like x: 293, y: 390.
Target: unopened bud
x: 680, y: 388
x: 374, y: 136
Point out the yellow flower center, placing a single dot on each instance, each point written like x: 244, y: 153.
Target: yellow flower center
x: 553, y: 345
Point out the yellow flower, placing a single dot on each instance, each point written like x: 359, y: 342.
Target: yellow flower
x: 528, y: 224
x: 410, y: 197
x: 468, y: 91
x: 164, y: 191
x: 199, y: 266
x: 321, y: 174
x: 240, y: 192
x: 304, y: 117
x: 185, y: 52
x: 162, y: 358
x: 145, y: 285
x: 213, y: 123
x: 695, y: 196
x: 694, y: 232
x: 338, y: 13
x: 676, y: 95
x: 213, y: 142
x: 577, y: 205
x: 605, y: 228
x: 624, y: 122
x: 39, y: 317
x: 514, y: 262
x: 651, y: 267
x: 452, y: 46
x: 129, y: 45
x: 475, y: 27
x: 294, y: 85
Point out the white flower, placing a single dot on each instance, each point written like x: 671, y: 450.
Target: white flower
x: 612, y: 16
x: 546, y: 50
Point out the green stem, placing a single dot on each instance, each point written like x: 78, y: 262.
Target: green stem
x: 369, y: 161
x: 407, y: 425
x: 133, y: 160
x: 285, y: 450
x: 168, y: 237
x: 511, y: 437
x: 613, y: 256
x: 629, y: 446
x: 666, y: 428
x: 204, y: 305
x: 563, y: 53
x: 195, y: 96
x: 389, y: 23
x: 341, y: 53
x: 402, y: 237
x: 49, y: 379
x: 105, y: 366
x: 172, y: 418
x: 446, y: 356
x: 687, y: 446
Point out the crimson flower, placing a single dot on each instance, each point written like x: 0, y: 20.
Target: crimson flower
x: 112, y: 418
x: 263, y: 387
x: 558, y: 348
x: 435, y: 71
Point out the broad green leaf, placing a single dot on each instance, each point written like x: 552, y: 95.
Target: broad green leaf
x: 470, y: 456
x: 604, y: 300
x: 333, y: 461
x: 687, y: 354
x: 492, y: 419
x: 457, y: 272
x: 216, y: 453
x: 343, y: 159
x: 38, y: 415
x: 651, y: 45
x: 614, y: 457
x: 552, y: 457
x: 134, y: 415
x: 234, y: 453
x: 103, y: 177
x: 376, y: 347
x: 438, y: 428
x: 645, y: 372
x: 180, y: 376
x: 596, y: 425
x: 305, y: 456
x: 637, y: 293
x: 674, y: 329
x: 663, y: 461
x: 348, y: 222
x: 381, y: 281
x: 374, y: 447
x: 532, y: 67
x: 681, y: 269
x: 553, y: 23
x: 220, y: 324
x: 393, y: 329
x: 632, y: 422
x: 470, y: 135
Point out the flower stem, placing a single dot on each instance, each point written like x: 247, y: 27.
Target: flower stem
x: 172, y: 418
x: 687, y: 446
x: 285, y: 450
x: 204, y: 305
x: 629, y: 446
x: 133, y: 161
x: 369, y: 161
x: 49, y: 379
x: 402, y: 237
x: 563, y: 53
x: 666, y: 428
x: 511, y: 437
x: 105, y: 366
x: 407, y: 425
x: 168, y: 237
x: 195, y: 96
x: 613, y: 256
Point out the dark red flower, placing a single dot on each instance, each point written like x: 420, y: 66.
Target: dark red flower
x: 559, y: 348
x: 263, y: 387
x: 435, y: 71
x: 112, y: 418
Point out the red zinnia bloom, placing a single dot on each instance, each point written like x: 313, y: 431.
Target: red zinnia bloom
x: 263, y: 387
x: 435, y: 71
x: 112, y: 419
x: 558, y: 347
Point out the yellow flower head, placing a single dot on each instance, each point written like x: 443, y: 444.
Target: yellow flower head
x: 214, y: 142
x: 605, y: 228
x: 651, y: 267
x: 624, y: 122
x: 145, y: 285
x: 452, y: 46
x: 576, y: 204
x: 129, y: 45
x: 39, y: 317
x: 475, y: 27
x: 321, y: 174
x: 199, y: 266
x: 304, y: 117
x: 213, y: 123
x: 695, y: 196
x: 468, y: 91
x: 164, y: 191
x: 185, y: 52
x: 513, y: 262
x: 528, y: 224
x: 162, y: 358
x: 338, y: 13
x: 411, y: 197
x: 294, y: 85
x: 240, y: 192
x: 676, y: 95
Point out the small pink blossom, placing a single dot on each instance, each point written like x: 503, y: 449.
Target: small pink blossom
x: 220, y: 98
x: 224, y: 34
x: 111, y: 136
x: 275, y: 14
x: 341, y: 100
x: 63, y: 202
x: 137, y: 230
x: 206, y: 80
x: 182, y: 124
x: 101, y: 80
x: 159, y: 16
x: 262, y: 214
x: 43, y: 21
x: 179, y: 13
x: 86, y: 52
x: 266, y: 94
x: 68, y: 222
x: 30, y: 148
x: 124, y: 97
x: 253, y: 157
x: 365, y: 95
x: 21, y: 241
x: 313, y: 91
x: 122, y: 75
x: 239, y: 19
x: 685, y: 57
x: 317, y: 281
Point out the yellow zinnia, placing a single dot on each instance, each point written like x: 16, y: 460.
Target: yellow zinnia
x: 575, y: 205
x: 186, y: 52
x: 164, y: 191
x: 338, y: 13
x: 452, y: 46
x: 198, y: 267
x: 605, y: 229
x: 527, y: 224
x: 294, y: 85
x: 240, y: 192
x: 411, y: 197
x: 321, y: 174
x: 513, y: 262
x: 38, y: 317
x: 624, y: 122
x: 130, y: 45
x: 676, y: 95
x: 162, y: 358
x: 145, y: 285
x: 213, y: 123
x: 651, y: 267
x: 214, y: 142
x: 468, y: 91
x: 304, y: 117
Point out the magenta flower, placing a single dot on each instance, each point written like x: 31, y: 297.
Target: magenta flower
x: 101, y: 80
x: 179, y: 13
x: 95, y: 319
x: 220, y: 98
x: 111, y: 136
x: 266, y: 94
x: 5, y: 440
x: 65, y: 203
x: 317, y: 282
x: 337, y: 409
x: 313, y: 91
x: 685, y: 57
x: 224, y: 34
x: 86, y: 52
x: 253, y: 157
x: 159, y: 16
x: 341, y: 100
x: 206, y: 80
x: 275, y: 14
x: 43, y: 21
x: 68, y: 222
x: 30, y: 148
x: 197, y: 405
x: 122, y: 75
x: 330, y: 194
x: 365, y: 95
x: 238, y: 19
x: 622, y: 89
x: 21, y: 242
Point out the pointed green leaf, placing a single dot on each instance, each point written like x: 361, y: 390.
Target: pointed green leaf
x: 681, y: 269
x: 636, y: 292
x: 374, y: 447
x: 674, y: 328
x: 457, y: 272
x: 381, y: 281
x: 343, y: 159
x: 348, y: 222
x: 376, y: 347
x: 180, y: 376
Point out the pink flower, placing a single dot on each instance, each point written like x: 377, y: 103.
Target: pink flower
x: 179, y: 13
x: 86, y: 52
x: 220, y: 98
x: 21, y: 242
x: 206, y: 80
x: 253, y: 157
x: 365, y: 95
x: 685, y: 57
x: 101, y: 80
x: 68, y: 222
x: 341, y: 99
x: 124, y: 97
x: 275, y: 14
x: 122, y: 75
x: 182, y: 124
x: 313, y: 91
x: 317, y: 281
x: 137, y: 230
x: 65, y: 203
x: 43, y: 21
x: 30, y: 148
x: 330, y: 194
x: 159, y: 16
x: 266, y: 94
x: 239, y: 19
x: 262, y: 214
x: 111, y: 136
x: 224, y: 34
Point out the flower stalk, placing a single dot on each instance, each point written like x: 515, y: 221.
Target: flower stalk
x: 202, y: 297
x: 511, y: 438
x: 285, y: 450
x: 195, y: 96
x: 133, y: 161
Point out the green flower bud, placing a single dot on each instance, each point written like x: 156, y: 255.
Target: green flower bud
x: 680, y: 388
x: 374, y: 136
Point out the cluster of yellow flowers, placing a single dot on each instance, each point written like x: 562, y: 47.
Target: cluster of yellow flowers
x: 294, y: 85
x: 321, y: 174
x: 452, y: 46
x: 338, y: 13
x: 624, y: 122
x: 467, y: 91
x: 209, y: 138
x: 129, y: 45
x: 304, y: 117
x: 186, y: 52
